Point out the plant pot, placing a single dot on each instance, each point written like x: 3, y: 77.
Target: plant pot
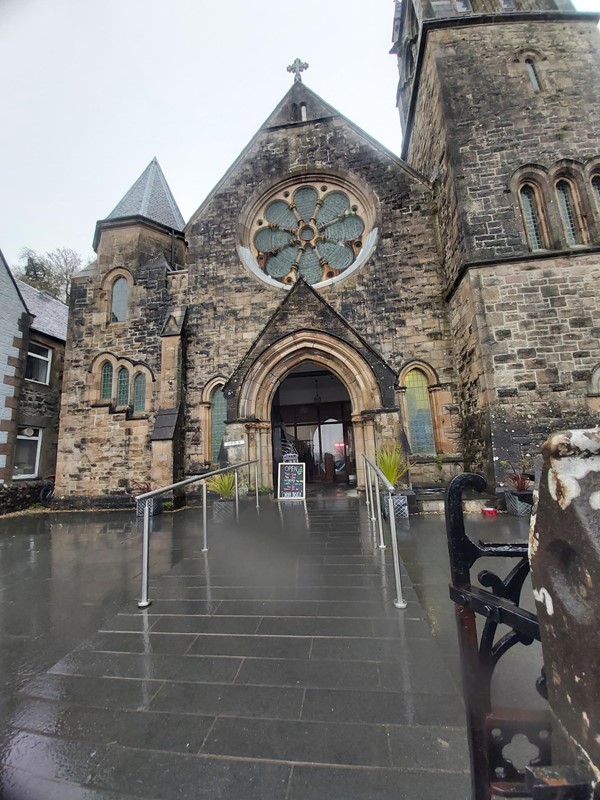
x: 155, y: 504
x: 400, y: 503
x: 223, y: 510
x: 519, y: 503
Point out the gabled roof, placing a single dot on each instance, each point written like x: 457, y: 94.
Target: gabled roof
x: 50, y: 314
x: 150, y: 197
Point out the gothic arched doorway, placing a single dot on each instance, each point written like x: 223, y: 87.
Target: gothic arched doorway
x: 252, y: 395
x: 311, y: 414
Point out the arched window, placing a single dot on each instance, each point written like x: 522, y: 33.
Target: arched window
x: 139, y: 393
x: 118, y: 305
x: 218, y: 415
x: 106, y: 381
x: 566, y: 206
x: 531, y: 216
x: 295, y: 114
x: 303, y: 115
x: 418, y: 410
x: 122, y: 387
x: 596, y: 189
x: 532, y: 74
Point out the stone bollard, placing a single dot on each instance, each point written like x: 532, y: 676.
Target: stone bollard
x: 564, y: 552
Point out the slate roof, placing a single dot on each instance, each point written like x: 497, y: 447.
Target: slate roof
x: 150, y: 197
x: 50, y: 314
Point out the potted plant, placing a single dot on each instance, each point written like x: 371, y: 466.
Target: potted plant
x: 154, y: 503
x: 222, y: 484
x: 518, y: 492
x: 394, y: 464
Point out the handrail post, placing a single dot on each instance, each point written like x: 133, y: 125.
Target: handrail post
x: 373, y: 517
x: 256, y: 483
x: 204, y: 518
x: 366, y: 466
x: 237, y: 504
x: 144, y: 602
x: 399, y: 602
x: 379, y: 520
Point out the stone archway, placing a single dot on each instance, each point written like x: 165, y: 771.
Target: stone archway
x: 271, y: 367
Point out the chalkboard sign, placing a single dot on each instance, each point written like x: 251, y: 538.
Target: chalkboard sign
x: 291, y: 481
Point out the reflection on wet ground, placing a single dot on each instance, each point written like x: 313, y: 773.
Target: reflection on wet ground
x: 275, y: 666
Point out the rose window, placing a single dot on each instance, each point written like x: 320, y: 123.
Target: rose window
x: 313, y: 232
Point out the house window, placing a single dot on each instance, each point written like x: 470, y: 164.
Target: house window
x: 418, y: 411
x: 531, y: 217
x: 139, y: 394
x: 38, y: 363
x: 106, y: 381
x: 532, y: 74
x: 118, y: 307
x: 27, y: 453
x: 122, y: 387
x: 566, y: 207
x: 596, y: 189
x: 218, y: 415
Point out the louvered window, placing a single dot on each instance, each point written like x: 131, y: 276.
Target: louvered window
x: 531, y: 217
x: 567, y: 212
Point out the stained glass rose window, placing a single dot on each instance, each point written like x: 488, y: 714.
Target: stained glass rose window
x: 310, y: 230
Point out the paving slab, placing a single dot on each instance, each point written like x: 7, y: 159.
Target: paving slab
x: 274, y: 666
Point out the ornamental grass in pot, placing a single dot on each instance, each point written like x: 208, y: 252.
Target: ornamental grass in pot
x: 394, y: 464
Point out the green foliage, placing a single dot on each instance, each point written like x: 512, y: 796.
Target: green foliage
x: 393, y: 462
x: 222, y: 484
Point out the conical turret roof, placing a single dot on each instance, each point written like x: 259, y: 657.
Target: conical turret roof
x: 150, y: 197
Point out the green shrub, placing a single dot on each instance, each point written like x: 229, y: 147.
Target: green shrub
x: 393, y: 462
x: 222, y: 484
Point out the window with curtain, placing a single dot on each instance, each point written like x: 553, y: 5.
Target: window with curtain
x: 531, y: 217
x: 106, y: 381
x: 118, y: 308
x: 218, y: 415
x: 418, y: 410
x: 139, y: 393
x: 566, y: 206
x: 122, y: 387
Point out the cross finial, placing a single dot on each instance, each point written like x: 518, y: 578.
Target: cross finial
x: 297, y: 67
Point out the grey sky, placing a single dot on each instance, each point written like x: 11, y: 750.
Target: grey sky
x: 91, y: 91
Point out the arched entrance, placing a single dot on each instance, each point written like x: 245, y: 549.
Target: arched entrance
x: 256, y: 392
x: 311, y: 414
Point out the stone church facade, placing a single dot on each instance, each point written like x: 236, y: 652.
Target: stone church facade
x: 332, y: 296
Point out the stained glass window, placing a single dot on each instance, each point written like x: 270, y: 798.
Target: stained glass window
x: 567, y: 212
x: 122, y: 387
x: 139, y: 393
x: 418, y: 408
x: 531, y: 217
x: 118, y: 312
x: 106, y: 382
x: 218, y: 415
x: 312, y: 231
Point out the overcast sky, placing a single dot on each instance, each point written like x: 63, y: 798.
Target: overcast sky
x: 91, y: 91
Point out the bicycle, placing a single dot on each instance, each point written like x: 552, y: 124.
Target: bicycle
x: 47, y: 491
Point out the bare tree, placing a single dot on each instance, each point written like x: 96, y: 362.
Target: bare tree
x: 51, y: 272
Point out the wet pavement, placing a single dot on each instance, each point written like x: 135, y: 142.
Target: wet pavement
x: 274, y: 666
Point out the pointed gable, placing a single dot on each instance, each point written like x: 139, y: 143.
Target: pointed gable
x: 304, y: 309
x: 290, y: 109
x: 151, y: 198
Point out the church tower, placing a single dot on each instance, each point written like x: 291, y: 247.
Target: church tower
x: 498, y: 102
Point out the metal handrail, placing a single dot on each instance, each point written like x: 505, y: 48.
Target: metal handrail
x: 370, y: 469
x: 144, y: 601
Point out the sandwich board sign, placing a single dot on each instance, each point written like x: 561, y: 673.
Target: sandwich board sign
x: 292, y: 481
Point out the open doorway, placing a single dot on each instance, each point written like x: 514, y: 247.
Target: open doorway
x: 311, y: 416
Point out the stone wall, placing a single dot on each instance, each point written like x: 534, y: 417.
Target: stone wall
x: 528, y: 339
